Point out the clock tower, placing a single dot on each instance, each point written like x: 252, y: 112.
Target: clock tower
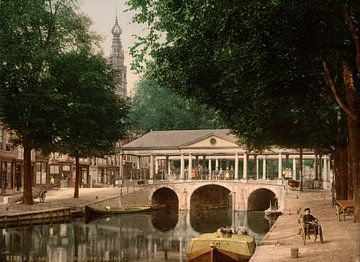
x: 116, y: 60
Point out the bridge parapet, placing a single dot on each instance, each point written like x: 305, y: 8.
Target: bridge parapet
x: 240, y: 191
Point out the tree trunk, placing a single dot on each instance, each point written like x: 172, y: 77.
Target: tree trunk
x: 340, y: 172
x: 301, y: 169
x: 28, y: 179
x: 349, y: 173
x: 320, y: 168
x: 77, y: 178
x: 316, y: 166
x: 354, y: 137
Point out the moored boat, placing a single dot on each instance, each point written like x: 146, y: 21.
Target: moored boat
x: 221, y: 246
x: 158, y: 206
x: 272, y: 212
x: 93, y: 212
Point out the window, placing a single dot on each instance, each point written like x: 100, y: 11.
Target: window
x: 54, y: 169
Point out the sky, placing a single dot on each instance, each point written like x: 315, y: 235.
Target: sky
x: 102, y: 13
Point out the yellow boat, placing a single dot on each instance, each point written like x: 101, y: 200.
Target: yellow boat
x: 221, y: 246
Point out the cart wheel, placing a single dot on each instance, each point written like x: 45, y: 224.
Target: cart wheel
x: 303, y: 234
x: 321, y: 234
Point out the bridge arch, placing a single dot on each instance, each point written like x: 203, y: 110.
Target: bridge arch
x: 260, y: 199
x: 210, y: 196
x: 165, y: 195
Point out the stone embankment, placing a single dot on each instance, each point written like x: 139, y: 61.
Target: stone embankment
x: 63, y: 199
x: 341, y: 238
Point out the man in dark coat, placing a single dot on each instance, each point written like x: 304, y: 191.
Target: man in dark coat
x: 310, y: 222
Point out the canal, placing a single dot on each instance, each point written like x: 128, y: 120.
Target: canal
x: 156, y: 236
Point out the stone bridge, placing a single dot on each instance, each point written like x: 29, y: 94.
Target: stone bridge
x: 239, y: 195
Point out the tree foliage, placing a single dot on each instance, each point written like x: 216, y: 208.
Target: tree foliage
x: 265, y: 59
x: 31, y: 34
x: 156, y: 108
x: 257, y: 62
x: 93, y: 119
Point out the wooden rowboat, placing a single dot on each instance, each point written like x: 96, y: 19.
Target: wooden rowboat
x: 94, y: 212
x: 221, y: 247
x: 158, y: 206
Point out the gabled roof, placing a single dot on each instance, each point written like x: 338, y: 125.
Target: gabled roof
x: 177, y: 138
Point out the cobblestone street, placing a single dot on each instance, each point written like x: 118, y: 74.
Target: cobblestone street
x: 341, y: 238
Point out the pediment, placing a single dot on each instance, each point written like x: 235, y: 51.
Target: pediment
x: 211, y: 141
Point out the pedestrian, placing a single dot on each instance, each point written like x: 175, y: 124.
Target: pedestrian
x: 276, y: 203
x: 52, y: 180
x: 333, y: 194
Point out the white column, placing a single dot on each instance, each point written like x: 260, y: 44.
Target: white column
x: 280, y: 166
x: 156, y: 165
x: 328, y: 170
x: 264, y: 167
x: 245, y: 168
x: 209, y: 167
x: 138, y: 162
x: 236, y: 166
x: 190, y: 166
x: 294, y: 169
x: 168, y: 163
x: 151, y: 166
x: 182, y: 166
x: 256, y: 160
x: 324, y: 169
x: 216, y: 164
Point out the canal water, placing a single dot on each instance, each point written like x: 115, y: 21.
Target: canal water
x: 160, y: 235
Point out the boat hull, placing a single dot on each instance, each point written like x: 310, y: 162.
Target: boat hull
x: 94, y: 212
x: 216, y: 255
x: 220, y: 246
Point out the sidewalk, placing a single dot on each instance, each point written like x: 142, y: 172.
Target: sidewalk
x: 341, y: 238
x: 64, y: 197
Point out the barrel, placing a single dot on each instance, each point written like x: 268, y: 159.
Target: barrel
x: 294, y: 252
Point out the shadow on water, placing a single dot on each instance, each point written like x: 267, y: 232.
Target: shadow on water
x: 165, y: 219
x: 257, y: 222
x: 209, y: 220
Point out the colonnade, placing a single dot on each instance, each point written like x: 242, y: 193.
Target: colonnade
x: 286, y: 163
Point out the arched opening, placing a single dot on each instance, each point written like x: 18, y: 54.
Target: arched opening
x: 165, y: 219
x: 165, y: 196
x: 260, y: 199
x: 210, y: 197
x: 210, y: 208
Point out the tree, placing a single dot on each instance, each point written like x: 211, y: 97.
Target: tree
x: 31, y: 34
x: 93, y: 118
x: 262, y: 57
x: 156, y: 108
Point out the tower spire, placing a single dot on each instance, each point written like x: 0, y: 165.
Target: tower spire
x: 116, y: 59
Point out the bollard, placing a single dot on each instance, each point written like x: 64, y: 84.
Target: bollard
x: 294, y: 252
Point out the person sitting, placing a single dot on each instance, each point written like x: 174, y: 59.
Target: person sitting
x: 310, y: 222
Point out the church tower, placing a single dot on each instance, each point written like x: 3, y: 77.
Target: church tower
x: 116, y: 60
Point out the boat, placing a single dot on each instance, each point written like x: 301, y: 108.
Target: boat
x: 94, y: 212
x: 221, y: 246
x: 158, y: 206
x: 272, y: 211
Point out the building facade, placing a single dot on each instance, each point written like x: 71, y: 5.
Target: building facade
x: 12, y: 167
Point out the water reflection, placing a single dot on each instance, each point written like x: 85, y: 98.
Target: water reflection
x: 158, y: 236
x: 209, y: 220
x: 164, y: 220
